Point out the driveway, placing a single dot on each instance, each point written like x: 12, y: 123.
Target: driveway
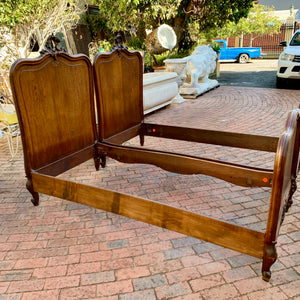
x: 62, y: 250
x: 257, y: 73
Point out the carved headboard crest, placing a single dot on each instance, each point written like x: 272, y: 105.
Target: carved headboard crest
x: 118, y: 43
x: 51, y: 46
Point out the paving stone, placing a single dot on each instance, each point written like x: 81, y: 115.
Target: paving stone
x: 178, y: 252
x: 147, y: 294
x: 174, y: 290
x: 206, y: 282
x: 221, y: 292
x: 149, y: 282
x: 241, y: 260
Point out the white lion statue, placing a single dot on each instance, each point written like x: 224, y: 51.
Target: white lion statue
x: 200, y: 64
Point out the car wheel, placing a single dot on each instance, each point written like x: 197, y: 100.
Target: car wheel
x: 279, y: 82
x: 243, y: 58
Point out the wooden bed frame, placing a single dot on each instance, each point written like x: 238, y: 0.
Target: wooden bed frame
x: 55, y: 102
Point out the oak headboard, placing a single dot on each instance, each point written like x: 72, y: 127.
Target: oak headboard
x: 54, y: 100
x: 119, y: 90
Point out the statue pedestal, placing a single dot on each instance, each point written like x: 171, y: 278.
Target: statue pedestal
x: 193, y: 92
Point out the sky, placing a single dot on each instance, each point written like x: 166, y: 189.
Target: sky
x: 281, y: 4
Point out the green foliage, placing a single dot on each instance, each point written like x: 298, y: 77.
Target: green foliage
x: 13, y: 13
x: 148, y: 61
x: 186, y: 42
x: 104, y: 46
x: 136, y: 43
x: 260, y: 21
x: 21, y: 20
x: 25, y: 22
x: 99, y: 46
x: 189, y: 18
x: 217, y: 13
x: 94, y: 23
x: 120, y: 15
x: 216, y: 47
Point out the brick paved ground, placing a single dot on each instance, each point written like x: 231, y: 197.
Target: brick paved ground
x: 62, y: 250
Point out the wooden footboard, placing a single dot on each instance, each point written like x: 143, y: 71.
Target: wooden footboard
x: 283, y: 186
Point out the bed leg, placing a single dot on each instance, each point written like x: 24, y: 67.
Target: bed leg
x: 270, y: 256
x: 142, y: 139
x: 97, y: 162
x: 103, y: 159
x: 36, y: 199
x: 96, y: 157
x: 292, y: 191
x: 100, y: 160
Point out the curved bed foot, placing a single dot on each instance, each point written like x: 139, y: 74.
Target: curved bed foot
x: 266, y: 275
x: 36, y: 199
x: 270, y: 256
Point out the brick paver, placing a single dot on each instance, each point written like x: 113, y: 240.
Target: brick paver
x: 63, y: 250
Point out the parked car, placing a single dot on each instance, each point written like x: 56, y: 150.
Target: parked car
x: 242, y: 54
x: 289, y: 61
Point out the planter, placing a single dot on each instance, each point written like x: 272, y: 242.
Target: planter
x: 177, y: 65
x: 159, y: 68
x: 217, y: 69
x: 159, y: 90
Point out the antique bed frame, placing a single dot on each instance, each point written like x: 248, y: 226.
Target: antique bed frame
x: 55, y: 96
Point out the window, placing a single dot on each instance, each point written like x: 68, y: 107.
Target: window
x: 221, y: 44
x: 295, y: 40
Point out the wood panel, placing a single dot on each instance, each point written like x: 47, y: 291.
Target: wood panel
x: 208, y: 229
x: 125, y: 135
x: 119, y: 91
x: 68, y: 162
x: 186, y: 164
x: 54, y: 99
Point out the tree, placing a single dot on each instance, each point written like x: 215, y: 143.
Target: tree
x: 25, y: 24
x: 260, y: 21
x: 136, y: 16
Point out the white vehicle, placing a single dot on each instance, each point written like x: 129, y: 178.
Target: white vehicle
x: 289, y: 61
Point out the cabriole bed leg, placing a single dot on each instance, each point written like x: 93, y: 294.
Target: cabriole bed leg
x: 270, y: 256
x: 97, y: 158
x: 36, y: 199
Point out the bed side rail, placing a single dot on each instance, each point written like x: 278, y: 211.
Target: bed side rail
x: 187, y: 164
x: 222, y: 138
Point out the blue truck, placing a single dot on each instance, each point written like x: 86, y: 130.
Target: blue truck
x: 242, y: 55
